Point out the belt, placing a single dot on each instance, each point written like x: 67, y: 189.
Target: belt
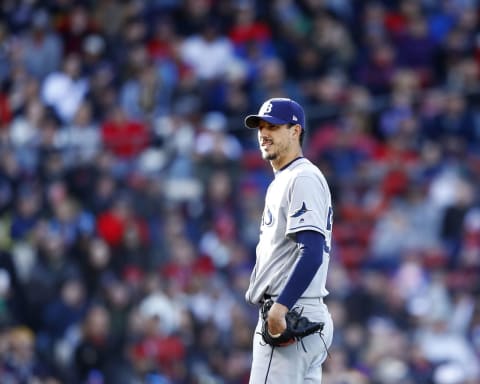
x: 267, y: 296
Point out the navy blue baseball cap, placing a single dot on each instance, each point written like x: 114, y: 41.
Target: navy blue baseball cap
x: 278, y: 111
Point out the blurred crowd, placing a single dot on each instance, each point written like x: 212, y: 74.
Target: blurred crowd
x: 131, y: 194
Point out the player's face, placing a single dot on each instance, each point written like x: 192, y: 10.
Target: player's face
x: 277, y: 142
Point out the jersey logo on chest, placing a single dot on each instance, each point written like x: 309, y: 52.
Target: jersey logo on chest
x: 267, y: 218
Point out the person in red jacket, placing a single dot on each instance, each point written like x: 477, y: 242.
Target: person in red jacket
x: 124, y: 137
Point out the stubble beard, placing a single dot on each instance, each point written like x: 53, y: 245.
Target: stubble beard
x: 269, y: 156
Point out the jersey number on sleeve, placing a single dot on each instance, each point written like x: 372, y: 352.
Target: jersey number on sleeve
x: 327, y: 247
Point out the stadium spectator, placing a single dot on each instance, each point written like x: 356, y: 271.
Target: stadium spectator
x: 40, y: 47
x: 65, y: 90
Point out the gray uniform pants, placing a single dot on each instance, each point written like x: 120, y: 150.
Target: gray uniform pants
x: 291, y: 364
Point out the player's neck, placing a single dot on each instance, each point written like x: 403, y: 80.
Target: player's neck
x: 281, y: 162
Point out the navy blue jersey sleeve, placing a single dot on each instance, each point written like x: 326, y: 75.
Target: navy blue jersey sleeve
x: 311, y: 257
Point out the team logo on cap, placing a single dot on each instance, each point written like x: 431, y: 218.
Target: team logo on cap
x: 266, y: 108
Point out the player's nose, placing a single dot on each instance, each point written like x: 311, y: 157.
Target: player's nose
x: 263, y: 138
x: 262, y: 132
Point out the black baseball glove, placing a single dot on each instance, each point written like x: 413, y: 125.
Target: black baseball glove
x: 298, y: 326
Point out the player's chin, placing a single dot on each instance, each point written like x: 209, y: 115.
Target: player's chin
x: 268, y: 156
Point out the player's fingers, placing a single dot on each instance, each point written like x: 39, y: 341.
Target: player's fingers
x: 274, y: 335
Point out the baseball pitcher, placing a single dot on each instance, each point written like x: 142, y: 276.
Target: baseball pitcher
x: 294, y: 329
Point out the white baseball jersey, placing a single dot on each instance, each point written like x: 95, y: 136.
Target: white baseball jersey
x: 298, y: 199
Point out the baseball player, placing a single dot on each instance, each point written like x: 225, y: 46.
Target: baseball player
x: 293, y: 251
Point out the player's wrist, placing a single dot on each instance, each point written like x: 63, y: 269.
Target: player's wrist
x: 285, y: 301
x: 280, y: 307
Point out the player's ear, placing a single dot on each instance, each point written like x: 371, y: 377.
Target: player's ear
x: 298, y: 130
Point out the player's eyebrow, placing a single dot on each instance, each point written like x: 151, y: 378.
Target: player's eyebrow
x: 266, y: 124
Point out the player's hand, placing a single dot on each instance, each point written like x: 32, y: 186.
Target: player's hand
x: 276, y: 319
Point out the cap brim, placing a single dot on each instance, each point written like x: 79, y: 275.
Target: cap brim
x: 253, y: 121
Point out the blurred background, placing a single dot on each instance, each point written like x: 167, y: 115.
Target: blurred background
x: 131, y: 194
